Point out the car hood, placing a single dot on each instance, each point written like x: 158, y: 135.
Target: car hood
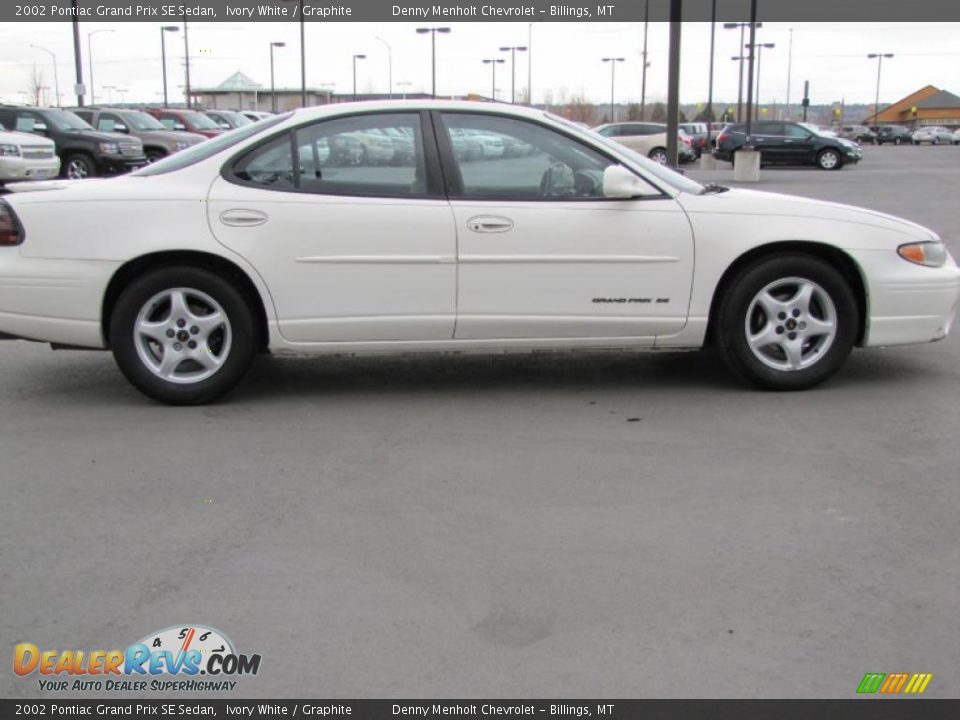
x: 102, y: 136
x: 18, y: 138
x: 171, y: 136
x: 760, y: 203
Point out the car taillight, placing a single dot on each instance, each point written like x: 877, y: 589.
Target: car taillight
x: 684, y: 139
x: 721, y: 137
x: 10, y: 231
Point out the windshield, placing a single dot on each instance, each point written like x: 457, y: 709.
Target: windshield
x: 661, y: 172
x: 238, y: 119
x: 141, y: 121
x: 208, y: 148
x: 66, y: 120
x: 200, y: 121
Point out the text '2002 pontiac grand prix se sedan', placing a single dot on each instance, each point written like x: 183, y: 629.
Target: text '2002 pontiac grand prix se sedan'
x: 281, y: 236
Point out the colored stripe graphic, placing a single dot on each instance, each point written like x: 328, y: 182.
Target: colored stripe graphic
x: 894, y: 683
x: 918, y: 683
x: 871, y: 682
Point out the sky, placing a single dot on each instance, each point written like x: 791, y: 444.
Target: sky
x: 566, y: 58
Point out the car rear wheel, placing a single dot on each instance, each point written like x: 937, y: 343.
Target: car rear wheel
x: 936, y: 141
x: 787, y: 323
x: 828, y: 159
x: 896, y: 141
x: 183, y: 335
x: 154, y: 155
x: 658, y: 155
x: 79, y: 167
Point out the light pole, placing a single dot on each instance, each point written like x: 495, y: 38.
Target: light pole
x: 741, y: 58
x: 93, y: 97
x: 613, y: 74
x: 56, y: 79
x: 163, y: 57
x: 646, y: 64
x: 876, y: 104
x: 389, y: 67
x: 109, y: 89
x: 355, y: 58
x: 530, y: 64
x: 273, y: 88
x: 433, y: 53
x: 759, y: 48
x: 403, y: 85
x: 186, y: 55
x: 493, y: 62
x: 713, y: 34
x: 513, y: 50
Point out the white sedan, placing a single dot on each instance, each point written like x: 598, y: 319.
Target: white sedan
x: 188, y: 268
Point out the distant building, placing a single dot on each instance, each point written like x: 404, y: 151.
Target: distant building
x: 927, y: 106
x: 239, y: 92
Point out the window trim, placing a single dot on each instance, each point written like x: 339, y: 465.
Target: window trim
x: 431, y: 162
x: 454, y: 182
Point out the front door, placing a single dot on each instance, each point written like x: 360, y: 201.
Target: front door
x: 542, y: 254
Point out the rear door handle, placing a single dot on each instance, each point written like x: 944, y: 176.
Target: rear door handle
x: 243, y: 218
x: 489, y: 224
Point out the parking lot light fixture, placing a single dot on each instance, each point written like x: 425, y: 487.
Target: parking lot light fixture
x: 56, y: 77
x: 513, y: 50
x: 433, y: 53
x: 741, y: 58
x: 90, y: 35
x: 613, y: 75
x: 273, y: 89
x: 876, y: 105
x: 355, y: 58
x: 163, y: 57
x: 493, y: 62
x: 759, y: 48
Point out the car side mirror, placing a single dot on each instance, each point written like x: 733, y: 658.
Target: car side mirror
x: 121, y: 129
x: 618, y: 182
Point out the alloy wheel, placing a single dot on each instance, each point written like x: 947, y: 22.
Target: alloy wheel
x: 77, y: 170
x: 791, y: 324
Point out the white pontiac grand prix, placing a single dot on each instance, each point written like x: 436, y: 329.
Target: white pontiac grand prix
x: 284, y: 236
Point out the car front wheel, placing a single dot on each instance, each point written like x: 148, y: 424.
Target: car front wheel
x: 183, y: 335
x: 787, y: 323
x: 79, y: 167
x: 658, y: 155
x: 828, y: 160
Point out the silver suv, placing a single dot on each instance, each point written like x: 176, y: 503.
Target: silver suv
x: 158, y: 142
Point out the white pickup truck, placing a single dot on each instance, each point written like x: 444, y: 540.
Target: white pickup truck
x: 26, y: 157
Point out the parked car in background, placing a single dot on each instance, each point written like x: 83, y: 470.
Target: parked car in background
x: 228, y: 119
x: 788, y: 143
x: 158, y: 142
x: 697, y: 132
x: 894, y: 134
x: 185, y: 121
x: 257, y: 115
x: 83, y: 151
x: 858, y: 133
x: 491, y: 145
x: 647, y: 138
x: 934, y: 134
x: 26, y: 157
x: 245, y: 244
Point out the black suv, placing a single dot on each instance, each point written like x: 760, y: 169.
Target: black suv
x: 787, y: 143
x: 895, y: 134
x: 84, y: 152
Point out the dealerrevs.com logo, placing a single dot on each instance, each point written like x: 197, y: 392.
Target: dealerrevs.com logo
x: 185, y: 658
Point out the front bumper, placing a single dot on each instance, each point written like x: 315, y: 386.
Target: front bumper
x: 18, y: 168
x: 908, y: 303
x: 119, y: 164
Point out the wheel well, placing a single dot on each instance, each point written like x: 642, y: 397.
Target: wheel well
x: 155, y: 148
x: 834, y: 256
x: 229, y: 271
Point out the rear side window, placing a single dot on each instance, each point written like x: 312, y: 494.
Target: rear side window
x: 379, y: 155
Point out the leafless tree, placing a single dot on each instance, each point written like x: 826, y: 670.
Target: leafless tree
x: 35, y: 84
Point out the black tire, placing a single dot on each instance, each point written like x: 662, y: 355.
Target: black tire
x: 79, y: 167
x: 936, y: 141
x: 244, y: 335
x: 823, y: 159
x: 731, y: 321
x: 896, y: 141
x: 657, y: 153
x: 154, y: 155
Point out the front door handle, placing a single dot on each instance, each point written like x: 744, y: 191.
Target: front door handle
x: 243, y: 218
x: 489, y: 224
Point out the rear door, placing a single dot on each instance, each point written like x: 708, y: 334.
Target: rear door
x: 350, y: 251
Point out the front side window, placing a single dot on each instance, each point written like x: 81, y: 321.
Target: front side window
x: 365, y: 155
x: 505, y: 158
x: 109, y: 123
x: 29, y: 122
x: 795, y: 131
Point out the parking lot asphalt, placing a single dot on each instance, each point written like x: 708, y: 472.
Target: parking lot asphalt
x: 611, y: 525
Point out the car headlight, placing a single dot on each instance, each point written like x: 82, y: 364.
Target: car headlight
x: 181, y: 145
x: 930, y: 254
x: 110, y: 148
x: 9, y: 151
